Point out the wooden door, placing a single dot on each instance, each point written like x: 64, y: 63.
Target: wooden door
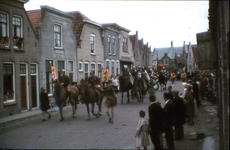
x: 34, y: 91
x: 23, y: 92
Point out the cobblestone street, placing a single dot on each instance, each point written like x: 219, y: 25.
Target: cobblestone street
x: 77, y: 133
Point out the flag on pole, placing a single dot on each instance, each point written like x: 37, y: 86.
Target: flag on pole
x: 105, y: 75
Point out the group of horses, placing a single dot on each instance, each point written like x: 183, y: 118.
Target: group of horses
x: 88, y: 94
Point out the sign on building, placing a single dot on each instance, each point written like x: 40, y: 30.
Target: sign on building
x: 206, y: 52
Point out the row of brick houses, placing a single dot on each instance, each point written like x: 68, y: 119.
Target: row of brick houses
x: 32, y: 40
x: 175, y: 59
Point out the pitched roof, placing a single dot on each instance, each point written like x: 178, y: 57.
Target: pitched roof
x: 179, y: 59
x: 35, y: 17
x: 115, y: 26
x: 195, y: 54
x: 169, y: 50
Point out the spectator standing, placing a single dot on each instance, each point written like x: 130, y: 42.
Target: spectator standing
x: 44, y: 103
x: 169, y: 120
x: 142, y: 134
x: 169, y: 89
x: 179, y: 107
x: 189, y: 104
x: 156, y: 122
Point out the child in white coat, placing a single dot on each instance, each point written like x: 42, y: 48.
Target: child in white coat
x: 142, y: 134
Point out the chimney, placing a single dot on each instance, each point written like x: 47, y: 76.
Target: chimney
x: 171, y: 43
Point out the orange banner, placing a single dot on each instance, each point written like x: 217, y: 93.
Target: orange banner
x: 105, y: 75
x: 53, y: 72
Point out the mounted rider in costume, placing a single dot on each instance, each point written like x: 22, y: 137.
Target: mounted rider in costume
x: 64, y: 81
x: 133, y: 73
x: 125, y: 74
x: 93, y: 81
x: 139, y: 76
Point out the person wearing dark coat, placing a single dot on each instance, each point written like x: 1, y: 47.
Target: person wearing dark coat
x: 190, y: 110
x: 156, y: 122
x: 179, y: 107
x: 44, y: 103
x: 169, y: 120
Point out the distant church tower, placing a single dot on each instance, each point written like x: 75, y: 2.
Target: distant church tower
x: 171, y: 43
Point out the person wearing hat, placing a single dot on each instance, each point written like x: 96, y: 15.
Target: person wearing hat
x: 93, y: 82
x: 125, y: 73
x: 179, y: 107
x: 64, y: 81
x: 44, y: 104
x: 111, y: 101
x: 183, y: 77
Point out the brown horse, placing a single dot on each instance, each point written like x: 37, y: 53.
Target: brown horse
x: 61, y: 98
x: 100, y: 99
x: 125, y: 86
x: 89, y: 97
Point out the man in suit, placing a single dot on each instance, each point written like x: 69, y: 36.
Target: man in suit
x: 169, y: 120
x: 179, y: 107
x: 156, y: 116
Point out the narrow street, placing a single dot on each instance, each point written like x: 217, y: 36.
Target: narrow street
x: 77, y: 133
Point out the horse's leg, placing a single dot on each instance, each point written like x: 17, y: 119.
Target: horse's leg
x: 128, y: 96
x: 60, y: 109
x: 92, y: 110
x: 121, y: 97
x: 99, y: 104
x: 87, y: 106
x: 75, y: 108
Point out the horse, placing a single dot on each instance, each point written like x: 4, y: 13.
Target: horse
x: 162, y: 80
x: 61, y: 96
x: 125, y: 86
x: 89, y: 97
x: 138, y: 88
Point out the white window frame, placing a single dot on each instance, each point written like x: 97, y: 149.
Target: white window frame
x: 21, y: 36
x: 37, y: 87
x: 93, y: 35
x: 66, y: 70
x: 80, y: 69
x: 114, y: 70
x: 88, y: 68
x: 61, y: 47
x: 95, y: 69
x: 7, y: 26
x: 113, y: 45
x: 98, y: 69
x: 109, y: 45
x: 107, y: 60
x: 50, y: 76
x: 27, y: 87
x: 167, y: 61
x: 21, y: 24
x: 117, y: 66
x: 12, y: 100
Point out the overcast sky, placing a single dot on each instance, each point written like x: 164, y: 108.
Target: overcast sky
x: 157, y: 22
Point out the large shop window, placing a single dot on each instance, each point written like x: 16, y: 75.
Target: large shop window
x: 61, y: 65
x: 4, y: 27
x: 49, y: 88
x: 99, y: 70
x: 17, y: 32
x: 57, y: 36
x: 8, y: 79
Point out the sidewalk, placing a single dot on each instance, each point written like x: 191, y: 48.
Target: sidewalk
x: 26, y: 115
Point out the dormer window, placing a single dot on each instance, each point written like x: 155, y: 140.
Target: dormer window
x: 92, y: 43
x: 125, y: 49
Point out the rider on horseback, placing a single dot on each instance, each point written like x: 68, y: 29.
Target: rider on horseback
x: 125, y: 74
x: 93, y: 82
x: 64, y: 81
